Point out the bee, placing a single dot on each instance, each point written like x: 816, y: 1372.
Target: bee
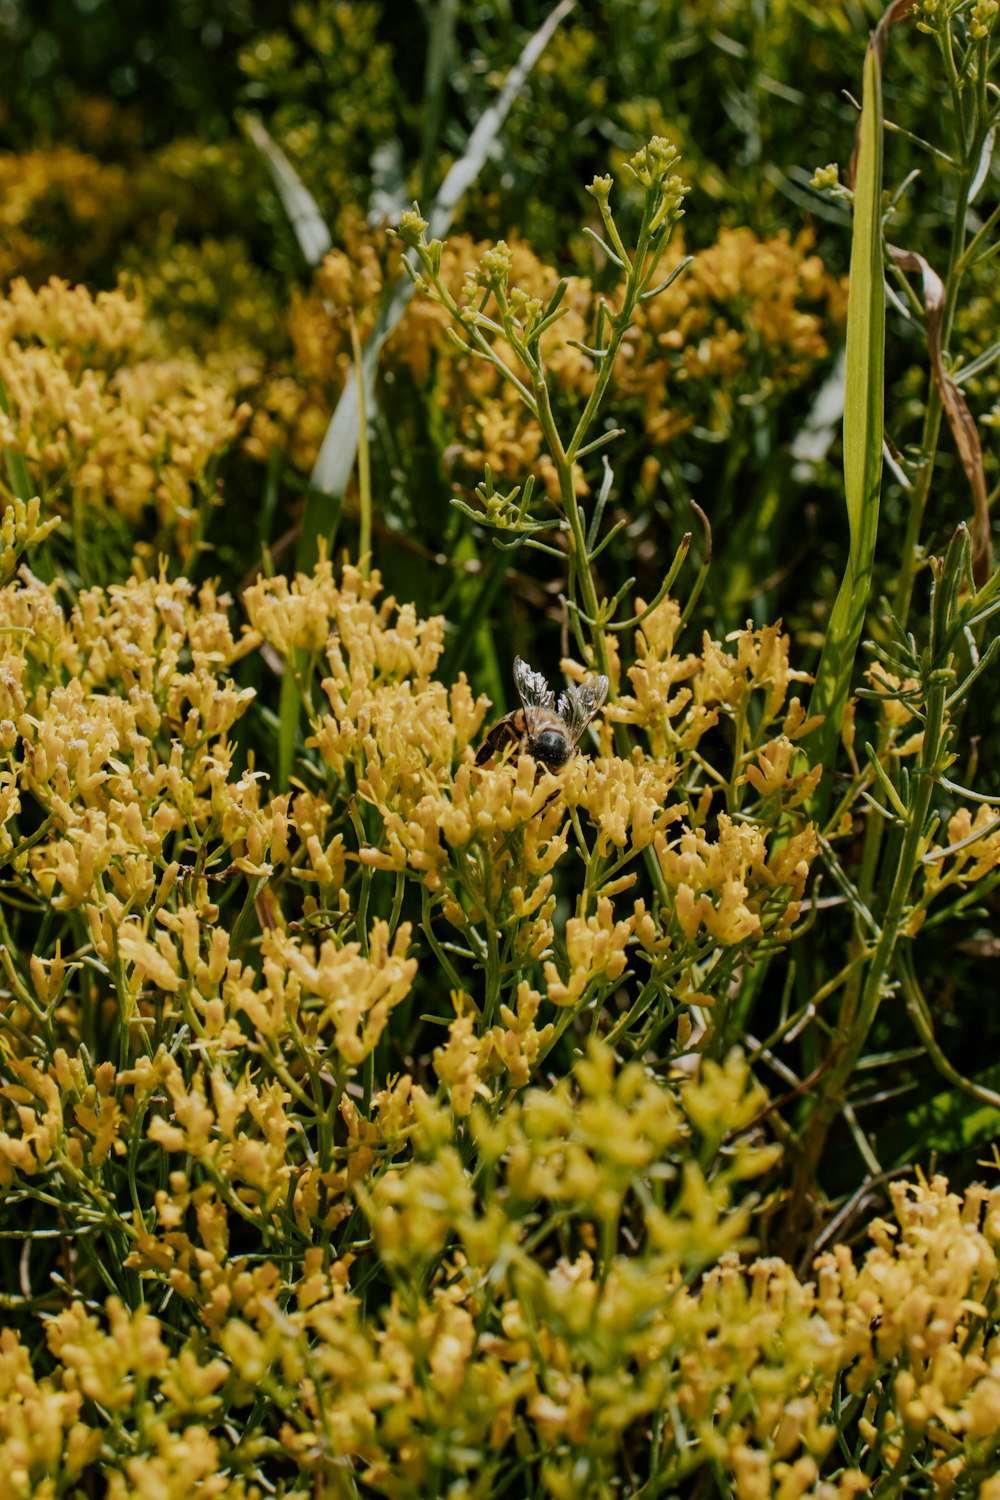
x: 544, y: 729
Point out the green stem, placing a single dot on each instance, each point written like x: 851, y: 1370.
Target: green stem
x: 856, y: 1027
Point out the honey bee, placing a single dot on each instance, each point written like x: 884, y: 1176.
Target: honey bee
x: 544, y: 729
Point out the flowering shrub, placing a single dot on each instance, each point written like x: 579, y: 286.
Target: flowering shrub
x: 450, y: 1275
x: 102, y: 418
x: 383, y: 1111
x: 748, y: 312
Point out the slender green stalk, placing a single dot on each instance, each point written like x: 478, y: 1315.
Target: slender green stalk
x: 364, y: 462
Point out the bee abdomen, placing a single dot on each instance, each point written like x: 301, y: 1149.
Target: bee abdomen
x: 503, y: 734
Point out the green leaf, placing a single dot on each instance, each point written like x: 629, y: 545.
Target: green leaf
x: 947, y: 1122
x: 307, y: 222
x: 863, y: 424
x: 437, y: 72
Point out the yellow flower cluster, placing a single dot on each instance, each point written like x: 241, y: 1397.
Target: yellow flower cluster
x: 913, y: 1326
x: 98, y: 413
x: 563, y: 1264
x: 21, y: 527
x: 626, y: 800
x: 538, y: 1331
x: 748, y: 316
x: 56, y: 189
x: 483, y: 841
x: 123, y: 748
x: 391, y: 731
x: 293, y: 407
x: 92, y: 332
x: 725, y: 887
x: 972, y: 851
x: 748, y: 312
x: 46, y: 1443
x: 675, y: 700
x: 984, y: 15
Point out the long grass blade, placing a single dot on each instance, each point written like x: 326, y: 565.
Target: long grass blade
x: 335, y: 460
x: 440, y: 44
x: 464, y: 172
x: 863, y: 422
x: 364, y: 461
x: 298, y: 202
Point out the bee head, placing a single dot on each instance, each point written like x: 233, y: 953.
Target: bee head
x: 552, y: 748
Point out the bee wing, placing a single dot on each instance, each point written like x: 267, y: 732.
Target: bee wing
x: 578, y: 705
x: 533, y: 691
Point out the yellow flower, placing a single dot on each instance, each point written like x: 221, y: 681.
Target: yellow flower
x: 595, y: 950
x: 95, y: 408
x: 457, y: 1063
